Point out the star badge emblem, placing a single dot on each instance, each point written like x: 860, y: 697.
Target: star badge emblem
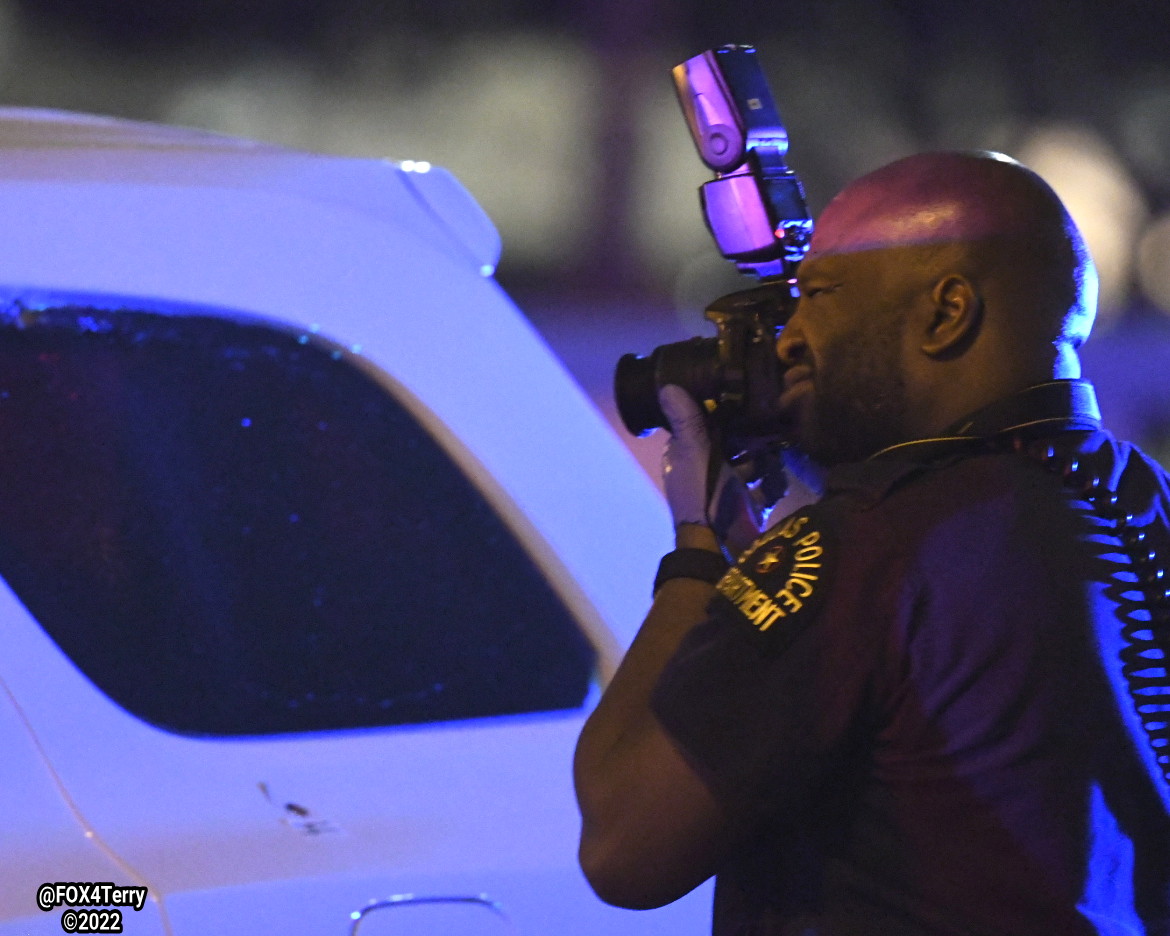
x: 770, y: 559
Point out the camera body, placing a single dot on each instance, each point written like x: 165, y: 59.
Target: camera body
x: 756, y: 212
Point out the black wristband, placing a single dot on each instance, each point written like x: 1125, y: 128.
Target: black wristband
x: 701, y: 564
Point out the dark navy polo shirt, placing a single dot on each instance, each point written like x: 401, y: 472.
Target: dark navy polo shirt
x: 910, y: 696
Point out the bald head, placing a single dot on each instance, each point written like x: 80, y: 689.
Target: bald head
x: 996, y: 216
x: 932, y: 287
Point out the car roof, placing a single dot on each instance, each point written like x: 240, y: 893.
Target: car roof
x: 46, y: 144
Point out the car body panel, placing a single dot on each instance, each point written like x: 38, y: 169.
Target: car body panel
x: 45, y: 837
x: 298, y: 832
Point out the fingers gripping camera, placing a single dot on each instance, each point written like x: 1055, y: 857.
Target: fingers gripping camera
x: 710, y: 492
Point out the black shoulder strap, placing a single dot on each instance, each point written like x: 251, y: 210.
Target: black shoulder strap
x: 1146, y: 656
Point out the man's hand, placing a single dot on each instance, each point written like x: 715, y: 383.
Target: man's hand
x: 686, y: 460
x: 706, y: 495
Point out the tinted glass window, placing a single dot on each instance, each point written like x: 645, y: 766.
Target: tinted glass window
x: 234, y: 530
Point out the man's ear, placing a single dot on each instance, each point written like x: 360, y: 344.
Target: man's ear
x: 956, y: 312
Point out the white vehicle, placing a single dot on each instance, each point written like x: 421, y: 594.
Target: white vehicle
x: 312, y: 555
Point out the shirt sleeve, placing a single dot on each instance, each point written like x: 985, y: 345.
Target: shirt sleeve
x: 769, y: 695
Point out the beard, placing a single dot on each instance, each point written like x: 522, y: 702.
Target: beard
x: 859, y: 404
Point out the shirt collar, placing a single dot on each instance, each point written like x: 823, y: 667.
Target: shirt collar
x: 1041, y: 410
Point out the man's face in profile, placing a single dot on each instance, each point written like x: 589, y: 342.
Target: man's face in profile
x: 844, y: 388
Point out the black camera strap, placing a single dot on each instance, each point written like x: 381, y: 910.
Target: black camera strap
x: 1145, y: 658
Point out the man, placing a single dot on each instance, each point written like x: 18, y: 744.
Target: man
x: 930, y: 702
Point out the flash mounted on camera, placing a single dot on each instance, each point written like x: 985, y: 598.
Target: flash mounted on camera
x: 756, y: 212
x: 754, y: 207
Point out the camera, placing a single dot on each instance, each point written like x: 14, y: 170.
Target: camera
x: 756, y: 212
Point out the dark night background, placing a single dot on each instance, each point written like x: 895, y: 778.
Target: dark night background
x: 560, y: 119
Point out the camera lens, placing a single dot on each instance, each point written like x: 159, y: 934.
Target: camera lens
x: 692, y: 365
x: 636, y: 394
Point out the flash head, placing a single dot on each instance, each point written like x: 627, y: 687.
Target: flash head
x: 754, y: 207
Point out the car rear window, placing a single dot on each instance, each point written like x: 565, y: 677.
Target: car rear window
x: 231, y: 529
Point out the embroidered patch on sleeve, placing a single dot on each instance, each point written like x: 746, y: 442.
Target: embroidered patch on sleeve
x: 778, y: 585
